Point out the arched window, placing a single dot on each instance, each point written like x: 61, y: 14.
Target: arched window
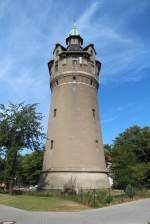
x: 52, y: 144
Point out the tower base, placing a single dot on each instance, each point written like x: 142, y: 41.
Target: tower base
x: 78, y: 180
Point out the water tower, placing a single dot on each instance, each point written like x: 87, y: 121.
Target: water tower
x: 74, y: 150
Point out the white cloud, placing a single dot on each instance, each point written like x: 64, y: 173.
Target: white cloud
x: 85, y: 18
x: 124, y: 56
x: 109, y: 119
x: 116, y: 113
x: 94, y: 28
x: 127, y: 65
x: 121, y: 54
x: 24, y: 82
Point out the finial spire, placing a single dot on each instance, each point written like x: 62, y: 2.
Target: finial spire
x: 74, y: 31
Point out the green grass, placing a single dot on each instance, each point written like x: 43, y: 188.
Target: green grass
x: 43, y: 201
x: 36, y: 203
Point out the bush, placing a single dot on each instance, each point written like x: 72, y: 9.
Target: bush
x: 130, y: 191
x: 109, y: 199
x: 94, y: 198
x: 70, y: 187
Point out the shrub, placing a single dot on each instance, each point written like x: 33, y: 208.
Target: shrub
x: 130, y: 191
x: 70, y: 187
x: 109, y: 199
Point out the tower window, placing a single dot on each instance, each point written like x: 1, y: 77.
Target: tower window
x: 93, y: 112
x: 80, y: 60
x: 74, y: 62
x: 85, y: 67
x: 91, y: 82
x: 55, y: 111
x: 63, y: 67
x: 92, y: 67
x: 57, y: 52
x: 56, y: 82
x: 74, y: 78
x: 64, y: 61
x: 56, y: 67
x: 96, y: 141
x: 52, y: 144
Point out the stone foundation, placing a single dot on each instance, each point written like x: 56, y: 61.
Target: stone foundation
x: 79, y: 180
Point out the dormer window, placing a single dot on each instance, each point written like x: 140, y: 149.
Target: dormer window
x: 57, y: 52
x: 56, y: 66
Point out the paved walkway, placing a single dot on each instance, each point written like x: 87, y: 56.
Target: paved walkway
x: 137, y: 212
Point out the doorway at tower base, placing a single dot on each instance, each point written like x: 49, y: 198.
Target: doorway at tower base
x: 79, y: 180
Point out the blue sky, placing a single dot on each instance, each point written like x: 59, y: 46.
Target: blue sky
x: 120, y: 31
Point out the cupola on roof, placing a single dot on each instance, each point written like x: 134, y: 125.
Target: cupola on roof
x: 74, y: 34
x: 74, y: 31
x: 74, y: 43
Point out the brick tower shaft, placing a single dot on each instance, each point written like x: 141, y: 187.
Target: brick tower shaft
x: 74, y: 150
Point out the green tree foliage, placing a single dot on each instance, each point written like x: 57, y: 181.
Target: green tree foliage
x: 20, y: 128
x: 131, y: 158
x: 108, y: 151
x: 29, y: 168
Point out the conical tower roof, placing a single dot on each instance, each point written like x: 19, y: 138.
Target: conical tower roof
x: 74, y: 31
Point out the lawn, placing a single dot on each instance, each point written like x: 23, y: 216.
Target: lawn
x: 45, y: 202
x: 36, y: 203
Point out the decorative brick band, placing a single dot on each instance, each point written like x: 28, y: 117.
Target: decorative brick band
x: 74, y: 78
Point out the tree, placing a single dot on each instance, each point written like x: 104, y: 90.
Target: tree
x: 131, y: 158
x: 29, y: 168
x: 20, y: 128
x: 107, y: 151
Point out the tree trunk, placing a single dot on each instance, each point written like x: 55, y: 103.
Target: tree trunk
x: 11, y: 166
x: 11, y: 186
